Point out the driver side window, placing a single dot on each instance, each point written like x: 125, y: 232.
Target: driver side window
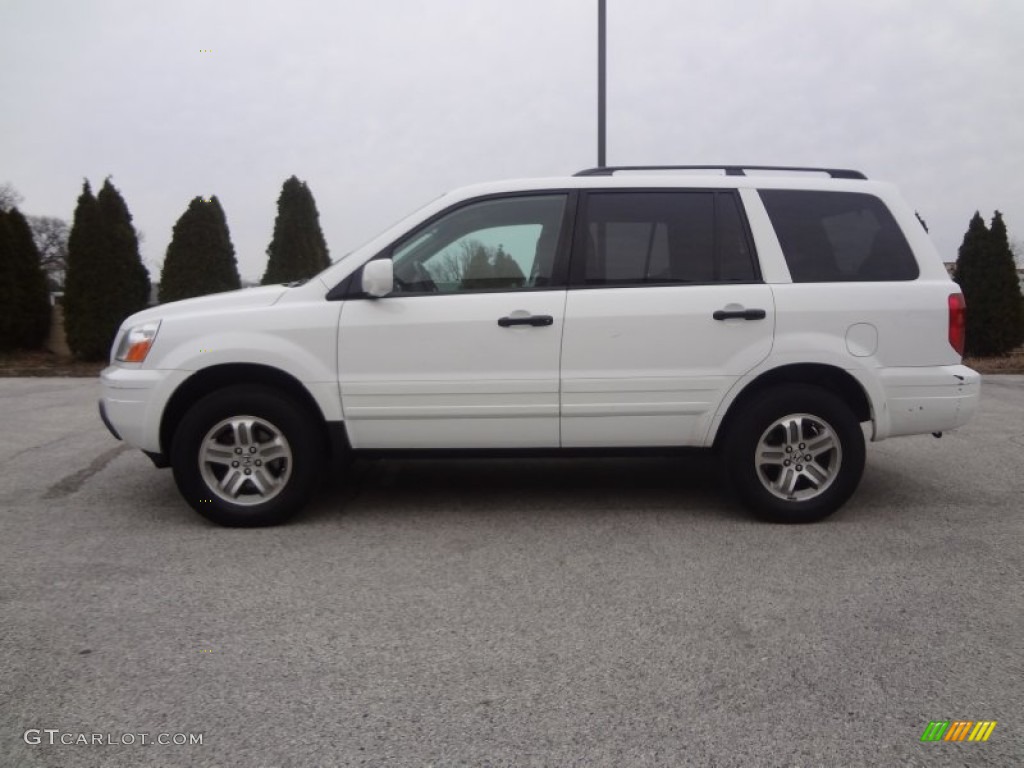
x: 504, y: 244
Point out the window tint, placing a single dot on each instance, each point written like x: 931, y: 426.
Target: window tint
x: 838, y: 236
x: 503, y: 244
x: 639, y: 238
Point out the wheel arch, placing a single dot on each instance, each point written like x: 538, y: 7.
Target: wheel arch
x: 836, y: 380
x: 216, y: 377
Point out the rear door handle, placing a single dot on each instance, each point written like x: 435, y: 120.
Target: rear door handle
x: 739, y: 314
x: 534, y: 320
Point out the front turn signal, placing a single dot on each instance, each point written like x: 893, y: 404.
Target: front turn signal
x: 136, y: 343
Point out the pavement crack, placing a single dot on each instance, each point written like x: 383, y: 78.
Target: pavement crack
x: 74, y: 482
x: 48, y: 443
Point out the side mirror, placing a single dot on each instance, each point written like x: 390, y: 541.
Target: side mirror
x: 378, y: 278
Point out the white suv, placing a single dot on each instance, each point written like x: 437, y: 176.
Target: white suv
x: 766, y: 315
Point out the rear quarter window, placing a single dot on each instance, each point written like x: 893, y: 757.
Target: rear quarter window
x: 830, y: 237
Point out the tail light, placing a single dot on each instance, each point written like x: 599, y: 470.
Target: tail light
x: 957, y: 322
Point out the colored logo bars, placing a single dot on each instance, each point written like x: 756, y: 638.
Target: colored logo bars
x: 958, y: 730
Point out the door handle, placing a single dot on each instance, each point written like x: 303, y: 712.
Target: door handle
x: 739, y: 314
x: 537, y: 321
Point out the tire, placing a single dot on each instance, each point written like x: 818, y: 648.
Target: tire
x: 767, y: 452
x: 248, y: 456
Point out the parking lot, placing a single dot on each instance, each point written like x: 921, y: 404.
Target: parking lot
x: 499, y: 613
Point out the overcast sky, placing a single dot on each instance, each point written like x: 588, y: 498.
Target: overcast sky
x: 382, y: 106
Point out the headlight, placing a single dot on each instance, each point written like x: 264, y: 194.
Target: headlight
x: 136, y: 342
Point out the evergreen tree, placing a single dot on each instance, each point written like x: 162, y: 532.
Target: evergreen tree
x: 478, y: 268
x: 125, y: 262
x: 200, y: 258
x: 8, y: 284
x: 1008, y: 295
x: 106, y: 280
x: 489, y: 268
x: 24, y: 296
x: 84, y: 287
x: 506, y: 271
x: 297, y: 250
x: 989, y: 283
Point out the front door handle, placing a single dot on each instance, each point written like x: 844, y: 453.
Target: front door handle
x: 739, y: 314
x: 534, y: 320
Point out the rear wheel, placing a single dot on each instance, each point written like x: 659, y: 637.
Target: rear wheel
x: 247, y: 456
x: 795, y: 454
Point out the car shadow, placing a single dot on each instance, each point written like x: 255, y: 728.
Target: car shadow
x: 690, y: 485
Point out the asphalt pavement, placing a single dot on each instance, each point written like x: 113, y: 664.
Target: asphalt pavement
x: 584, y: 612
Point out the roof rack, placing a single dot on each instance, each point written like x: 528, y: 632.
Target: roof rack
x: 730, y: 170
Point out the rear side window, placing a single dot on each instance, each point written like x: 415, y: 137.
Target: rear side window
x: 830, y: 237
x: 644, y: 238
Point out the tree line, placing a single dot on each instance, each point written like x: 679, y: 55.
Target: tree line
x: 987, y: 274
x: 473, y: 266
x: 96, y: 263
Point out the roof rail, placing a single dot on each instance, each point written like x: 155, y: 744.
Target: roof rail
x: 730, y: 170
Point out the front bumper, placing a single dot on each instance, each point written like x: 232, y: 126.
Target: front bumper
x: 105, y: 420
x: 132, y: 401
x: 923, y: 400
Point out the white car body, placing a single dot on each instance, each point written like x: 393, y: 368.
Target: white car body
x: 619, y: 367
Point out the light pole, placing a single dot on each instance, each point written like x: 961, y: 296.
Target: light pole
x: 601, y: 30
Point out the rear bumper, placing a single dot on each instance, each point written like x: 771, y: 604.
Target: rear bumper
x: 923, y: 400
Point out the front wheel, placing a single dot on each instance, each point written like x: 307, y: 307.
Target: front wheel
x: 795, y: 454
x: 247, y: 456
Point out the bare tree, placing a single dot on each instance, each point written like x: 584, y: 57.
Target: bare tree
x: 51, y: 236
x: 452, y: 266
x: 9, y: 197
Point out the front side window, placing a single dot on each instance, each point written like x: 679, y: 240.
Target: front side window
x: 503, y: 244
x: 832, y: 237
x: 657, y: 237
